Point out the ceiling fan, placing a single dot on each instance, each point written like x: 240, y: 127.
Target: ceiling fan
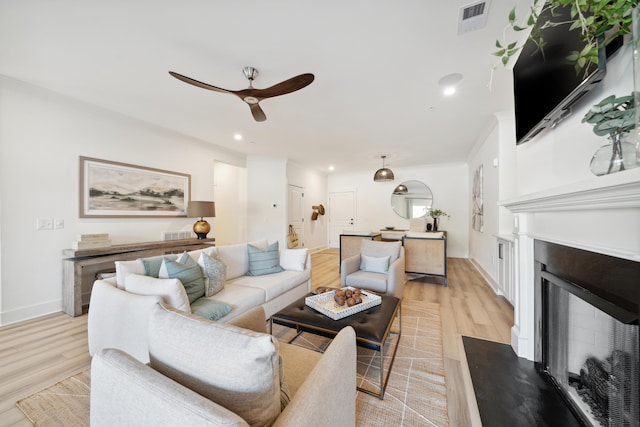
x: 251, y: 95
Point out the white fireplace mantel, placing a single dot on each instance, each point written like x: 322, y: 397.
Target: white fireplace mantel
x: 614, y: 191
x: 600, y: 215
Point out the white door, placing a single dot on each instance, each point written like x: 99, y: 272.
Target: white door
x: 342, y: 214
x: 296, y: 211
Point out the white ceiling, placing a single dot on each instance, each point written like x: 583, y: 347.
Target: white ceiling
x: 376, y: 65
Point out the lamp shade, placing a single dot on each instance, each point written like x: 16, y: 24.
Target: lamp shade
x: 383, y: 174
x: 199, y: 209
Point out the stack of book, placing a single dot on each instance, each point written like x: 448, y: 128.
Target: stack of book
x: 91, y: 241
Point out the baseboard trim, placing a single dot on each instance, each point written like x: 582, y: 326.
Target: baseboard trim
x: 487, y: 277
x: 30, y: 312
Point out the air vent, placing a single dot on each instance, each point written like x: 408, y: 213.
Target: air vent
x: 473, y: 16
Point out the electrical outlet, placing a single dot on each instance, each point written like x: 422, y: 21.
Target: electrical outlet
x: 44, y: 224
x: 58, y: 223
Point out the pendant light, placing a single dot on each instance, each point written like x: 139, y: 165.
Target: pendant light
x: 401, y: 189
x: 384, y: 174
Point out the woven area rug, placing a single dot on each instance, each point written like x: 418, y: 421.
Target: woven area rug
x: 415, y: 395
x: 63, y: 404
x: 416, y: 392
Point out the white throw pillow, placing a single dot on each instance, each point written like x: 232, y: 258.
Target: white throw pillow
x: 124, y: 268
x: 373, y: 264
x: 171, y: 290
x: 294, y: 259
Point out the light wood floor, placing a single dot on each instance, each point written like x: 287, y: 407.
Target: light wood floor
x: 40, y: 352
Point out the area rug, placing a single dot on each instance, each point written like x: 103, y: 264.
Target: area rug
x: 63, y: 404
x: 415, y: 395
x: 416, y: 392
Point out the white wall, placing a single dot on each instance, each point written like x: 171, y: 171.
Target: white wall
x: 482, y: 244
x: 448, y: 183
x: 267, y: 199
x: 42, y: 134
x: 230, y: 195
x: 562, y: 155
x: 554, y: 158
x: 315, y: 193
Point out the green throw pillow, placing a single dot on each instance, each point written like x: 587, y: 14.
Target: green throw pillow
x: 264, y: 262
x: 152, y: 264
x: 189, y: 273
x: 215, y: 272
x: 210, y: 309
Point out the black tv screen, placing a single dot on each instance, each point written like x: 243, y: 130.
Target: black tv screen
x: 546, y: 84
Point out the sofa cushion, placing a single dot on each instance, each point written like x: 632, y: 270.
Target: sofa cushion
x: 240, y: 298
x: 374, y: 264
x: 171, y: 290
x: 294, y: 259
x: 215, y: 273
x: 124, y: 268
x: 236, y: 257
x: 152, y: 264
x: 273, y: 285
x: 376, y: 282
x: 381, y: 249
x: 234, y: 367
x: 265, y: 261
x: 210, y: 309
x: 189, y: 273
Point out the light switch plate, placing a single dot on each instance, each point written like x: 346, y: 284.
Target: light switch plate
x: 44, y: 224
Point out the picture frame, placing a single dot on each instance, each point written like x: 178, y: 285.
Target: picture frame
x: 477, y: 218
x: 111, y: 189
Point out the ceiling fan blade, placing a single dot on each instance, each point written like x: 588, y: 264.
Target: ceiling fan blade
x: 200, y: 84
x: 291, y: 85
x: 257, y: 112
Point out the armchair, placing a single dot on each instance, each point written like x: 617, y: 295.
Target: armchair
x: 378, y: 267
x: 205, y: 373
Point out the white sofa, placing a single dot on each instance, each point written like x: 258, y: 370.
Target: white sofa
x: 205, y: 373
x: 118, y: 319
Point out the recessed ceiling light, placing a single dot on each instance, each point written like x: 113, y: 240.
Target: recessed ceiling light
x: 450, y: 90
x: 331, y: 168
x: 237, y: 137
x: 449, y: 83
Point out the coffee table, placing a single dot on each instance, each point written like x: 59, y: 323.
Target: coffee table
x: 372, y: 327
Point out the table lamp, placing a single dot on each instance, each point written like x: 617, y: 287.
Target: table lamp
x: 201, y: 209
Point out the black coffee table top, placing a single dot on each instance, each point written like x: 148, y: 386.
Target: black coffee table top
x: 371, y: 325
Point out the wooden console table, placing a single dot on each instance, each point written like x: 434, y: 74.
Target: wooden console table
x: 425, y: 255
x: 80, y: 267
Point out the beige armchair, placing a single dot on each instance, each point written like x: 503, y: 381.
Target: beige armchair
x: 378, y: 267
x: 205, y: 373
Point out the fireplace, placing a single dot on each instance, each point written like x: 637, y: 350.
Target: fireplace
x: 586, y: 331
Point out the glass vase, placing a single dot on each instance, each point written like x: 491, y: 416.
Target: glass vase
x: 617, y: 156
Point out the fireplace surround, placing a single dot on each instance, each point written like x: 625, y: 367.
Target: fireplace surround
x: 587, y: 334
x: 600, y: 215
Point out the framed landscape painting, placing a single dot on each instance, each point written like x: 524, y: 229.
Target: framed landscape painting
x: 120, y: 190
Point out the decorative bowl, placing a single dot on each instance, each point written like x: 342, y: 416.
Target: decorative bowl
x: 389, y: 228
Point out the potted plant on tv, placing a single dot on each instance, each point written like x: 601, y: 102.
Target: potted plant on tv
x: 436, y: 214
x: 614, y: 117
x: 593, y: 18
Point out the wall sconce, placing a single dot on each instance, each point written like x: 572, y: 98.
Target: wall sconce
x: 383, y: 174
x: 201, y: 209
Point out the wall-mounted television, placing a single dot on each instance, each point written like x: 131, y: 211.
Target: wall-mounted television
x: 546, y: 85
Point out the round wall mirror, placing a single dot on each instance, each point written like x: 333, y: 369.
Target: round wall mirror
x: 411, y: 199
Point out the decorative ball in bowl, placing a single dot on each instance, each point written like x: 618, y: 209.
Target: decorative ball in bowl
x: 389, y: 228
